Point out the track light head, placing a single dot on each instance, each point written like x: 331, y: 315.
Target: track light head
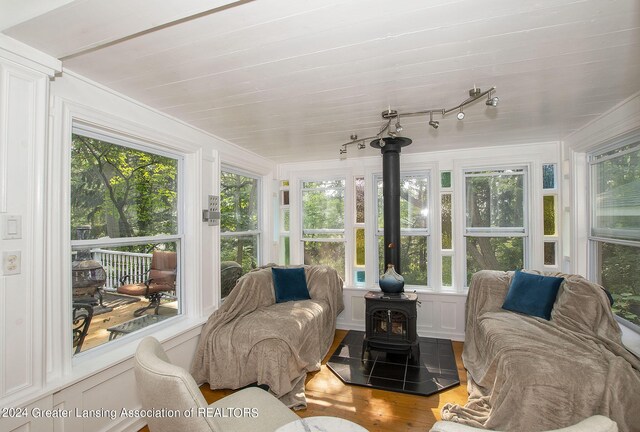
x: 492, y: 101
x: 398, y: 126
x: 460, y: 114
x: 432, y: 123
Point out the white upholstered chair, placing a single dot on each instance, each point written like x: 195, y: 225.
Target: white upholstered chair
x: 596, y: 423
x: 162, y: 385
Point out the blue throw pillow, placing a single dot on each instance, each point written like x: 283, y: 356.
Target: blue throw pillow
x: 289, y: 284
x: 532, y: 294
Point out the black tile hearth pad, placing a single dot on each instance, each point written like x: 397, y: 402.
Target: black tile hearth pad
x: 436, y: 370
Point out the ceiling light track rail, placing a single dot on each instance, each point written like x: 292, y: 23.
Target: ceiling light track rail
x: 390, y: 115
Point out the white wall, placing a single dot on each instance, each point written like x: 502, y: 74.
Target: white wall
x: 36, y: 366
x: 24, y: 88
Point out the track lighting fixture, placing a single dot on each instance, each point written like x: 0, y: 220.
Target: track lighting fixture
x: 390, y: 115
x: 432, y: 123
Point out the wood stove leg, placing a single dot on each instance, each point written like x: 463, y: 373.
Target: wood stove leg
x: 365, y: 349
x: 415, y: 354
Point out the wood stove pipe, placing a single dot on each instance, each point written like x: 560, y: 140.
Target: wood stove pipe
x: 390, y: 148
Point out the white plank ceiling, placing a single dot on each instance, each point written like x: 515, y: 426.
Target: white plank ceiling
x: 291, y: 80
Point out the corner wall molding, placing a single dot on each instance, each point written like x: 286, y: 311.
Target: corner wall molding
x: 25, y: 55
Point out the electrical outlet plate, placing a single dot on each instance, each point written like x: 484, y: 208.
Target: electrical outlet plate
x: 11, y: 263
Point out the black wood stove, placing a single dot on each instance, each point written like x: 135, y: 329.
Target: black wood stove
x: 391, y: 314
x: 391, y: 324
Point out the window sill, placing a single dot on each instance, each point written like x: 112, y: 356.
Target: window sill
x: 410, y: 288
x: 630, y: 339
x: 122, y: 350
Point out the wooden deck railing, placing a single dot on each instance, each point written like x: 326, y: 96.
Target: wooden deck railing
x: 118, y: 264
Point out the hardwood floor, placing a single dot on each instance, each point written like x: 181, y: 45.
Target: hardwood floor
x: 376, y: 410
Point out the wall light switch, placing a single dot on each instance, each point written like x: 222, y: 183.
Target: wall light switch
x: 11, y: 227
x: 11, y: 263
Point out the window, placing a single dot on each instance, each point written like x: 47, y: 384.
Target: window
x: 359, y: 276
x: 550, y: 214
x: 323, y: 223
x: 615, y: 226
x: 124, y: 209
x: 495, y: 219
x: 446, y: 226
x: 285, y: 246
x: 239, y: 221
x: 414, y: 227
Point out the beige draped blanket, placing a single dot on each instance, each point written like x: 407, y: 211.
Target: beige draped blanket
x: 252, y: 339
x: 529, y: 374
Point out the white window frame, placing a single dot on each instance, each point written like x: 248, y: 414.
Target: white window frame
x: 482, y: 171
x: 419, y: 232
x: 301, y: 189
x: 83, y: 129
x: 62, y: 365
x: 447, y: 252
x: 594, y: 237
x: 555, y: 238
x: 259, y: 209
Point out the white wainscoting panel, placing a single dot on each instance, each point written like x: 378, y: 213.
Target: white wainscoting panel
x: 439, y: 315
x: 29, y: 420
x: 23, y: 120
x: 112, y: 390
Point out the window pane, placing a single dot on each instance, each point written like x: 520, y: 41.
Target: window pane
x: 285, y: 220
x: 359, y: 184
x: 445, y: 179
x: 495, y: 200
x: 549, y: 176
x: 328, y: 253
x: 549, y: 253
x: 446, y: 221
x: 413, y: 259
x: 323, y: 208
x: 285, y: 197
x: 121, y: 192
x: 549, y: 214
x: 238, y: 202
x: 110, y: 282
x: 241, y: 249
x: 359, y: 277
x: 286, y: 250
x: 618, y: 272
x: 494, y: 253
x: 616, y: 196
x: 447, y: 271
x: 414, y: 203
x: 360, y: 246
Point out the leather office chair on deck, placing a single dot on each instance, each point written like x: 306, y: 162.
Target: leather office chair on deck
x: 161, y: 280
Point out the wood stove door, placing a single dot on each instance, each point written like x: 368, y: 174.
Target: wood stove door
x: 389, y: 324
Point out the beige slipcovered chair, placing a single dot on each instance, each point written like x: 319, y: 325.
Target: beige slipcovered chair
x: 596, y: 423
x: 162, y: 385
